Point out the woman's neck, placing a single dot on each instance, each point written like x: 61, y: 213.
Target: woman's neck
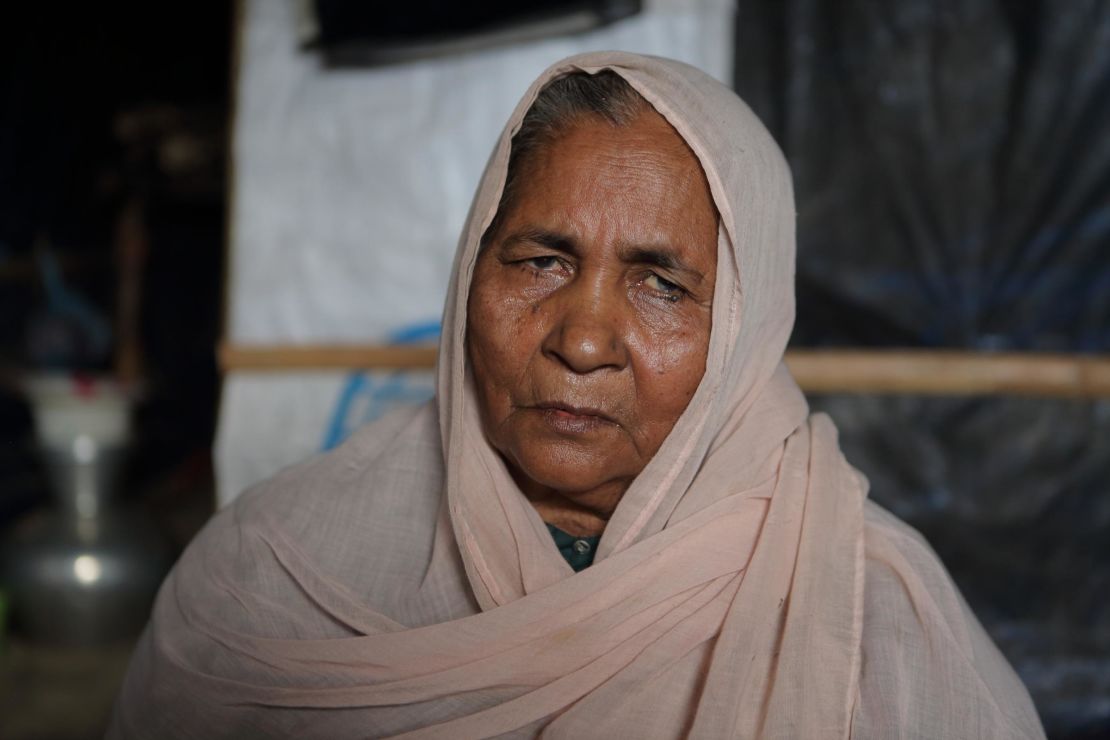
x: 582, y: 514
x: 573, y: 520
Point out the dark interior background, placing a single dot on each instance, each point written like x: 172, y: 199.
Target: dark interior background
x: 103, y: 106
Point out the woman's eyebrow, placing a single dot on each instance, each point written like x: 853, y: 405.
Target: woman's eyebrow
x: 543, y: 237
x: 664, y: 257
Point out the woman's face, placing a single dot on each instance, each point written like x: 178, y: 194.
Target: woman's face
x: 590, y: 308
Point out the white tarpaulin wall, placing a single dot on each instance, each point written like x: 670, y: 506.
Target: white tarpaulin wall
x: 350, y: 188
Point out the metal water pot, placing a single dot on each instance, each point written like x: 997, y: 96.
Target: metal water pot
x: 85, y: 571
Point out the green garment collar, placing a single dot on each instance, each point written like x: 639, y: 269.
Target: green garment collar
x: 577, y: 551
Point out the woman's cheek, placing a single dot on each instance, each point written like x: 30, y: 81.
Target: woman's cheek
x: 672, y: 343
x: 505, y: 324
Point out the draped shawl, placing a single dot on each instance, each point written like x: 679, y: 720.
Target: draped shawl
x: 402, y: 585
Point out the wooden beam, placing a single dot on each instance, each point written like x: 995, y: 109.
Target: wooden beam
x: 902, y: 372
x: 326, y: 357
x: 945, y: 373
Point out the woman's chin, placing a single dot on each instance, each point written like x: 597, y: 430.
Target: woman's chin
x: 568, y: 471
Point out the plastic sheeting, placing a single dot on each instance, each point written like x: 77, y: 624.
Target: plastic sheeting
x: 272, y: 420
x: 952, y: 168
x: 351, y: 185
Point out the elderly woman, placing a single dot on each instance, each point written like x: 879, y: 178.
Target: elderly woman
x: 617, y: 518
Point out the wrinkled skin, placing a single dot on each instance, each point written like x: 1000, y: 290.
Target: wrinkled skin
x: 590, y: 311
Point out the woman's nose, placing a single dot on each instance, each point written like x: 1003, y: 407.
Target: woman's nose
x: 587, y: 334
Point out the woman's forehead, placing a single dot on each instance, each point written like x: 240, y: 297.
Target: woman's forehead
x: 640, y: 179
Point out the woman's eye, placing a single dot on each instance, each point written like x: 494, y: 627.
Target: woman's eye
x: 670, y: 290
x: 542, y: 263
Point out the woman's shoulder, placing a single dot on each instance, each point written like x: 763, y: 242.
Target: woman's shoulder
x: 347, y: 517
x: 893, y: 548
x: 401, y: 445
x: 926, y: 662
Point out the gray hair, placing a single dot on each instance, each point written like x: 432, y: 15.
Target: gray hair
x: 560, y: 105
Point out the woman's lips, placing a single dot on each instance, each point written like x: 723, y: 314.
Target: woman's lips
x: 568, y: 419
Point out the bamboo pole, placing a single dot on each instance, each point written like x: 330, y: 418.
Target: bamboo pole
x: 943, y: 373
x: 902, y: 372
x: 326, y: 357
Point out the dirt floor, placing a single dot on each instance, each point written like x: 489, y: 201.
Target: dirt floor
x: 50, y: 693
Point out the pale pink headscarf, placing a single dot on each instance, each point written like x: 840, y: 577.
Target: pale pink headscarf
x: 402, y: 585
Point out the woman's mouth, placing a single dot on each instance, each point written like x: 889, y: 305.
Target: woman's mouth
x: 568, y: 419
